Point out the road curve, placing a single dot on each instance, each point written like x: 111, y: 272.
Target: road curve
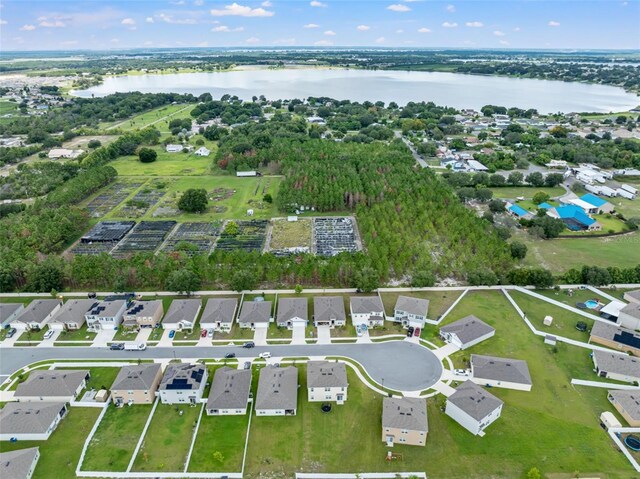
x: 398, y: 365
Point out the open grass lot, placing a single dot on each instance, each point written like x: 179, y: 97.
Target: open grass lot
x: 156, y: 116
x: 439, y: 301
x: 527, y: 192
x: 223, y: 434
x: 290, y: 234
x: 564, y: 322
x: 167, y: 164
x: 560, y: 255
x: 115, y: 439
x: 168, y: 438
x: 59, y: 455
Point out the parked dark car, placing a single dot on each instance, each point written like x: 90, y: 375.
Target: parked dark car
x: 116, y: 346
x: 410, y: 330
x: 11, y: 333
x: 230, y: 355
x: 249, y: 345
x: 91, y: 295
x: 247, y: 364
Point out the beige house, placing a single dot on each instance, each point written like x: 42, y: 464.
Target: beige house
x: 404, y: 421
x: 327, y: 381
x: 615, y: 337
x: 627, y: 402
x: 143, y: 314
x: 136, y: 384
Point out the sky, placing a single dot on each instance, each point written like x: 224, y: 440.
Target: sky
x: 515, y: 24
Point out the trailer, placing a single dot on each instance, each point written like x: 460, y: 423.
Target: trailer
x: 606, y: 191
x: 625, y: 194
x: 135, y: 346
x: 629, y: 188
x: 595, y: 189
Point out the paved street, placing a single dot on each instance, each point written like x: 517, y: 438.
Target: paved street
x: 398, y: 365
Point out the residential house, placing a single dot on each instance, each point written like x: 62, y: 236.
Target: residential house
x: 367, y: 310
x: 9, y: 312
x: 230, y: 392
x: 255, y: 314
x: 292, y: 312
x: 71, y: 316
x: 630, y: 296
x: 627, y: 402
x: 615, y: 337
x: 182, y: 314
x: 616, y: 366
x: 411, y: 311
x: 574, y: 218
x: 36, y: 315
x: 404, y: 421
x: 473, y: 408
x: 19, y: 464
x: 600, y: 205
x: 143, y: 314
x: 500, y: 372
x: 183, y: 383
x: 629, y: 316
x: 30, y: 421
x: 218, y: 314
x: 202, y: 151
x: 53, y: 385
x: 277, y: 391
x: 518, y: 212
x: 57, y: 153
x: 106, y: 314
x: 329, y: 311
x: 466, y: 332
x: 174, y: 148
x: 136, y: 384
x: 327, y: 381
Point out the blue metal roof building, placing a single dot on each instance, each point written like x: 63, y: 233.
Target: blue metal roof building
x: 545, y: 206
x: 574, y: 217
x: 518, y: 211
x: 593, y: 200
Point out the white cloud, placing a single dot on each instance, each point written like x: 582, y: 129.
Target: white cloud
x: 177, y: 2
x: 311, y: 25
x: 517, y: 29
x: 115, y: 40
x: 226, y: 29
x: 267, y: 3
x: 3, y: 22
x: 505, y: 43
x: 252, y: 40
x: 450, y: 8
x: 198, y: 3
x: 424, y: 30
x: 202, y: 44
x: 553, y: 23
x: 241, y: 11
x: 400, y: 31
x: 398, y: 7
x: 52, y: 23
x: 315, y: 3
x: 148, y: 43
x: 128, y: 21
x: 176, y: 21
x: 27, y: 28
x: 468, y: 42
x: 498, y: 33
x: 363, y: 28
x: 474, y: 24
x: 149, y: 20
x: 449, y: 25
x: 380, y: 40
x: 330, y: 33
x: 323, y: 43
x: 285, y: 41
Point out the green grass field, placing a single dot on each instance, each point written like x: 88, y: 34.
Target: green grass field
x: 223, y: 434
x: 115, y: 439
x: 167, y: 164
x: 527, y: 192
x: 8, y: 107
x: 156, y: 116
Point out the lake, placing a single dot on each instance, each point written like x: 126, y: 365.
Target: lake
x: 446, y: 89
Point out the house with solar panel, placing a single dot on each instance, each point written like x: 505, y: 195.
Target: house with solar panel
x: 183, y: 384
x: 143, y: 314
x: 616, y: 337
x: 518, y: 212
x: 574, y: 218
x: 106, y: 314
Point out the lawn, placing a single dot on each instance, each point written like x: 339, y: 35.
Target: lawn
x: 168, y: 439
x: 77, y: 335
x: 223, y: 434
x: 60, y: 454
x: 7, y: 107
x: 115, y: 439
x: 155, y: 116
x: 439, y: 301
x: 527, y: 192
x: 167, y: 164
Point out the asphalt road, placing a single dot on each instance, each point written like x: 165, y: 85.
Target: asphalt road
x: 399, y: 365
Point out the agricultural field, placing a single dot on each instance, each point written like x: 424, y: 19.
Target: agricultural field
x: 158, y: 116
x: 193, y: 238
x: 287, y: 236
x: 247, y: 235
x: 334, y: 235
x: 167, y: 164
x: 111, y: 196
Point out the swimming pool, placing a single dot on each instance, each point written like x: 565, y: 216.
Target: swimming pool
x: 591, y: 304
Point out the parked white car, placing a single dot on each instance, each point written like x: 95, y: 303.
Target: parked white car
x: 463, y: 372
x: 265, y: 355
x: 48, y: 334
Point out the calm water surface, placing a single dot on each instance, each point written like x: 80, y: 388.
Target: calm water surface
x: 450, y: 89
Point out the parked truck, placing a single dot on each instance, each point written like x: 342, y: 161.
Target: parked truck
x: 135, y: 346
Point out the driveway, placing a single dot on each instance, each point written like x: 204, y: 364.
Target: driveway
x: 298, y: 334
x: 103, y: 337
x: 143, y: 335
x: 260, y: 336
x: 165, y: 340
x: 386, y: 362
x: 47, y: 343
x: 324, y: 335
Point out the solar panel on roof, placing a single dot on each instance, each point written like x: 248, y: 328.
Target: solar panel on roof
x: 627, y: 338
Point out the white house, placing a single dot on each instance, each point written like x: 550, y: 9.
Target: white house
x: 183, y: 384
x: 629, y: 316
x: 277, y: 391
x: 202, y: 151
x: 230, y: 392
x: 218, y: 314
x: 411, y: 311
x: 30, y: 421
x: 57, y: 153
x: 106, y: 315
x: 473, y: 408
x: 500, y: 372
x: 616, y: 366
x: 182, y: 314
x: 327, y: 381
x: 71, y: 316
x: 292, y: 312
x: 174, y: 148
x: 367, y: 310
x: 466, y: 332
x: 36, y: 315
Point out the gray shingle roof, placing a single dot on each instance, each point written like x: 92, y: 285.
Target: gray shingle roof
x: 73, y: 311
x: 632, y: 309
x: 182, y: 310
x: 629, y: 400
x: 474, y: 400
x: 604, y: 330
x: 7, y: 309
x: 635, y: 294
x: 54, y: 383
x: 468, y: 329
x: 411, y: 305
x: 277, y: 388
x: 405, y: 413
x: 183, y: 376
x: 617, y: 363
x: 111, y: 308
x: 230, y: 389
x: 326, y: 308
x: 255, y: 312
x: 289, y: 308
x: 38, y: 310
x: 138, y: 377
x: 325, y: 374
x: 500, y: 369
x: 17, y: 464
x: 219, y: 309
x: 366, y: 304
x: 28, y: 417
x: 143, y: 309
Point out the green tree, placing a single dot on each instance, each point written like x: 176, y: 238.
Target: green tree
x: 147, y: 155
x: 540, y: 197
x: 298, y: 289
x: 93, y: 144
x: 367, y: 279
x: 242, y: 280
x: 193, y: 201
x: 183, y: 281
x: 518, y: 250
x: 534, y: 473
x: 535, y: 179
